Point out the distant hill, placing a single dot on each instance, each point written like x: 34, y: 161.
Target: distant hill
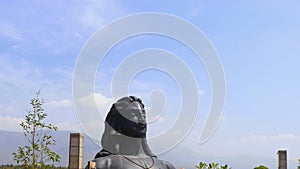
x: 180, y: 156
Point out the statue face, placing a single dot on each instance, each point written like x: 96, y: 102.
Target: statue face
x: 129, y: 118
x: 133, y: 120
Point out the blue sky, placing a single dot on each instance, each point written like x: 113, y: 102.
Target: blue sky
x: 257, y: 42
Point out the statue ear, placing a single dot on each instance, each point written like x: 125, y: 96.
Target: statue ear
x: 109, y: 142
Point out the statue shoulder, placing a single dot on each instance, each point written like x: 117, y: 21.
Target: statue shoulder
x: 108, y: 162
x: 167, y: 164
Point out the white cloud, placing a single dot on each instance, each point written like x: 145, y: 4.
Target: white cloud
x: 286, y: 137
x: 69, y: 126
x: 60, y: 103
x: 9, y: 123
x: 268, y: 138
x: 102, y: 102
x: 8, y: 110
x: 90, y: 117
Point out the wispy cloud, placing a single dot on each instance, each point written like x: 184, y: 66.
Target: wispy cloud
x: 54, y: 29
x: 91, y: 14
x: 9, y: 32
x: 15, y: 70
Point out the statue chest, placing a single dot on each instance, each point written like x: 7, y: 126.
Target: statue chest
x: 124, y: 162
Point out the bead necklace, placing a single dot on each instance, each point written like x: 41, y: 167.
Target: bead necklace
x: 139, y: 164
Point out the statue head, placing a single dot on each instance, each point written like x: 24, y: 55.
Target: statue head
x: 126, y: 127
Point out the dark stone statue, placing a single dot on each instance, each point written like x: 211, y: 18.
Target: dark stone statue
x: 124, y: 139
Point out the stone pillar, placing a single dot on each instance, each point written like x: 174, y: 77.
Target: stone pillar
x: 76, y: 151
x: 282, y: 159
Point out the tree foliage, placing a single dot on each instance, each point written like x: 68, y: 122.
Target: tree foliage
x: 261, y: 167
x: 37, y: 133
x: 10, y: 166
x: 203, y: 165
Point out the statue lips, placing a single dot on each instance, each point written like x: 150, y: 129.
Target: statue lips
x: 141, y: 129
x: 140, y: 126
